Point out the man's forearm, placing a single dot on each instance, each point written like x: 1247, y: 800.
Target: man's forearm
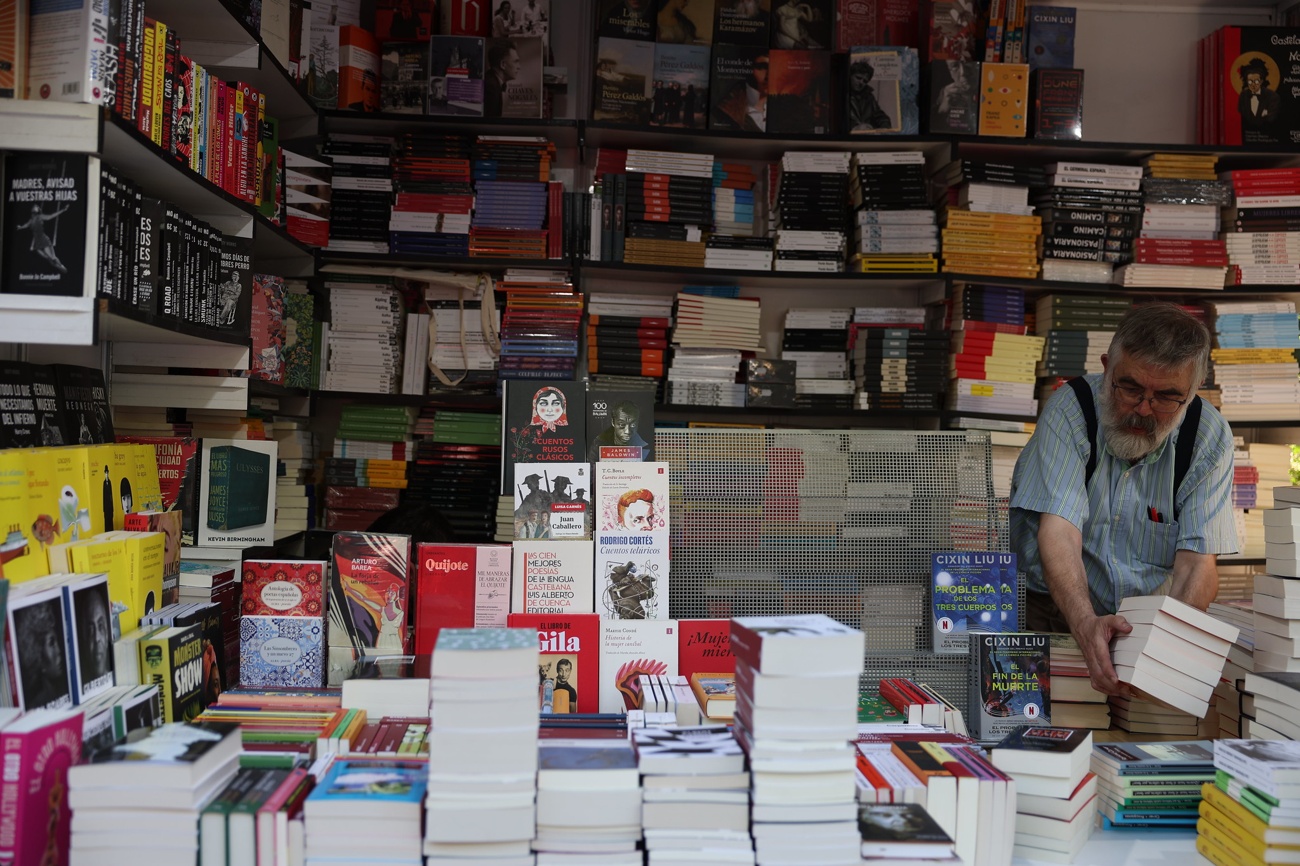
x: 1195, y: 578
x: 1060, y: 548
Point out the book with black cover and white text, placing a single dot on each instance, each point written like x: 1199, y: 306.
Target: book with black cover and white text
x: 620, y: 424
x: 738, y: 88
x: 543, y: 422
x: 742, y: 22
x: 51, y: 224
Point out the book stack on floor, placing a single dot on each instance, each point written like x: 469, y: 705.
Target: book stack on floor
x: 512, y: 198
x: 980, y: 382
x: 816, y: 340
x: 1251, y: 812
x: 482, y: 776
x: 1075, y: 703
x: 1262, y: 227
x: 801, y: 763
x: 627, y: 334
x: 989, y: 227
x: 1142, y: 785
x: 668, y: 200
x: 695, y: 794
x: 541, y: 324
x: 1254, y: 358
x: 174, y: 772
x: 1174, y: 654
x: 897, y: 363
x: 1228, y: 694
x: 361, y: 192
x: 903, y: 833
x: 1273, y: 699
x: 363, y: 346
x: 1046, y: 763
x: 433, y: 197
x: 588, y: 800
x: 734, y: 242
x: 1078, y: 329
x: 893, y: 226
x: 457, y: 459
x: 809, y: 198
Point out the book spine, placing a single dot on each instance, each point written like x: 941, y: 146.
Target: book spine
x: 110, y: 66
x: 144, y: 113
x: 13, y: 782
x: 159, y: 82
x: 234, y: 107
x: 128, y: 61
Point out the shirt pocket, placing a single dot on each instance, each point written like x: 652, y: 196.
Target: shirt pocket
x: 1157, y: 543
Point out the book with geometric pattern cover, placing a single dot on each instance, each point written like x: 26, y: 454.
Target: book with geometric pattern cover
x: 273, y: 587
x: 282, y: 652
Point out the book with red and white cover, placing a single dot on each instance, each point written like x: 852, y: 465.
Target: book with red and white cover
x: 628, y: 649
x: 552, y: 577
x: 460, y: 586
x: 368, y: 592
x: 35, y: 821
x: 632, y: 568
x: 277, y: 587
x: 568, y: 661
x: 704, y: 645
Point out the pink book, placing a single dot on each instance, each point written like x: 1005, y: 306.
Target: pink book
x: 269, y: 818
x: 35, y: 822
x: 273, y: 587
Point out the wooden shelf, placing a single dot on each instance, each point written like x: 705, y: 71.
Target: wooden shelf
x: 120, y: 322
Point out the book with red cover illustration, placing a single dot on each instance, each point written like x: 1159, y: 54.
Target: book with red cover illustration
x: 273, y: 587
x: 704, y: 645
x: 35, y: 821
x: 368, y: 592
x: 575, y: 639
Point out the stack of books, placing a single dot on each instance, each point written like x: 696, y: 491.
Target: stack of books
x: 482, y: 784
x: 1075, y: 703
x: 1078, y: 226
x: 1254, y: 359
x: 363, y: 342
x: 1069, y: 353
x: 1260, y: 230
x: 1152, y: 784
x: 1078, y: 329
x: 894, y: 229
x: 1150, y: 719
x: 362, y: 192
x: 734, y: 242
x: 513, y: 197
x: 1228, y: 695
x: 541, y: 324
x: 433, y: 196
x: 1174, y: 654
x: 989, y: 227
x: 1275, y: 700
x: 1277, y: 609
x: 1053, y: 760
x: 1279, y: 532
x: 366, y: 808
x: 986, y: 312
x: 897, y: 364
x: 668, y: 200
x: 355, y: 508
x: 1251, y: 813
x: 627, y: 334
x: 705, y: 321
x: 811, y: 196
x: 459, y: 342
x: 816, y: 340
x: 588, y: 800
x: 796, y: 730
x: 705, y: 377
x: 295, y: 500
x: 1274, y: 462
x: 1180, y: 220
x: 696, y: 795
x: 996, y: 361
x: 1245, y: 477
x: 457, y: 458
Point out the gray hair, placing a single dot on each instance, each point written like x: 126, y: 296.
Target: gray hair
x: 1164, y: 335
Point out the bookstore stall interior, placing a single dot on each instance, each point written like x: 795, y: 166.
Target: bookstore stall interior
x: 529, y: 432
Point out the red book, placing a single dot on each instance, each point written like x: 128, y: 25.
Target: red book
x: 555, y: 220
x: 282, y: 588
x: 568, y: 658
x: 855, y: 24
x: 35, y: 821
x: 704, y: 646
x: 234, y: 103
x: 459, y: 586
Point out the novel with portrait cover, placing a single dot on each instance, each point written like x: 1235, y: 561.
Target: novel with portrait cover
x: 632, y: 570
x: 568, y: 660
x: 544, y: 422
x: 368, y: 592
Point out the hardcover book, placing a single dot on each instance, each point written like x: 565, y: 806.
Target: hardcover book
x: 236, y: 492
x: 802, y: 25
x: 1058, y: 103
x: 38, y: 650
x: 266, y: 327
x: 628, y: 649
x: 738, y: 88
x: 1049, y: 40
x: 51, y: 223
x: 689, y: 23
x: 553, y: 500
x: 455, y: 82
x: 1004, y: 99
x: 460, y: 586
x: 799, y: 91
x: 552, y: 577
x: 512, y: 77
x: 971, y: 591
x: 1008, y: 684
x: 542, y: 423
x: 568, y: 661
x: 35, y: 820
x: 954, y: 97
x: 368, y: 592
x: 632, y: 520
x: 623, y: 86
x: 618, y: 422
x: 404, y: 73
x: 83, y: 402
x: 742, y: 22
x: 282, y: 651
x: 626, y: 19
x: 274, y: 587
x: 173, y: 660
x: 954, y: 31
x: 90, y: 634
x: 681, y: 86
x: 884, y: 83
x: 704, y: 645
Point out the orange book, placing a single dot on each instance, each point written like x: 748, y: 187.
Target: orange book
x: 1004, y: 99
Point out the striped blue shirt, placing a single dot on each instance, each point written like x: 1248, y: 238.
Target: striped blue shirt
x: 1125, y: 553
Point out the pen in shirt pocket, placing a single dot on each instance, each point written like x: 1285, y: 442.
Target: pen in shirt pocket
x: 1155, y: 516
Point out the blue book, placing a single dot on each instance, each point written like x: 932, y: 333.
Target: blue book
x: 971, y: 592
x: 282, y: 651
x: 359, y: 789
x: 1050, y: 40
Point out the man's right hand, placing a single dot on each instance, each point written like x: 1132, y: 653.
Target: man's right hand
x: 1094, y: 636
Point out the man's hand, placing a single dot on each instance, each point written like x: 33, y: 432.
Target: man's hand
x: 1094, y: 636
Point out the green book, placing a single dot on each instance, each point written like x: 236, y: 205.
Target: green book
x: 241, y: 822
x: 270, y: 760
x: 395, y: 413
x: 492, y: 438
x: 299, y: 341
x: 873, y: 709
x: 238, y: 483
x: 213, y: 836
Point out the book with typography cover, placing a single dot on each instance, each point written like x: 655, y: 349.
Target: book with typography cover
x: 460, y: 586
x: 884, y: 83
x: 178, y: 477
x: 50, y: 224
x: 552, y: 577
x: 235, y: 291
x: 704, y: 645
x: 404, y: 76
x: 1049, y: 37
x: 277, y: 587
x: 282, y: 651
x: 1009, y: 683
x: 35, y: 819
x: 512, y: 77
x: 626, y: 19
x: 568, y: 661
x: 553, y: 500
x: 624, y: 80
x: 455, y: 82
x: 954, y: 31
x: 681, y: 86
x: 738, y: 88
x: 174, y: 660
x: 632, y: 570
x: 971, y: 591
x: 799, y: 91
x: 628, y: 649
x: 542, y: 422
x: 237, y: 492
x: 83, y: 402
x: 170, y: 525
x: 369, y: 591
x: 1057, y: 108
x: 742, y: 22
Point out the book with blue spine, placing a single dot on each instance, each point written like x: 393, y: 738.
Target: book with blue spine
x: 367, y: 789
x: 971, y: 592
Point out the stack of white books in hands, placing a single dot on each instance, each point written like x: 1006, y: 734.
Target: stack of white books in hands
x: 1174, y: 654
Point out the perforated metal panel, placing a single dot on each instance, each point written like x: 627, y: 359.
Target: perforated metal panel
x: 835, y: 522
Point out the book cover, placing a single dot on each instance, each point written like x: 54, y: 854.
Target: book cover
x: 455, y: 81
x: 632, y: 519
x: 90, y: 633
x: 358, y: 70
x: 402, y: 19
x: 35, y: 821
x: 971, y: 591
x: 83, y: 403
x: 742, y: 22
x: 50, y: 423
x: 266, y: 327
x: 522, y: 18
x: 628, y: 649
x: 174, y: 660
x: 404, y: 73
x: 1252, y: 62
x: 553, y: 577
x: 19, y: 426
x: 349, y: 784
x: 799, y: 91
x: 624, y: 80
x: 802, y: 25
x: 236, y: 492
x: 1004, y: 99
x: 178, y: 477
x: 618, y: 423
x: 464, y: 17
x: 542, y: 423
x: 681, y: 86
x: 67, y: 51
x: 38, y: 647
x: 51, y: 224
x: 1049, y: 40
x: 1058, y: 103
x: 954, y: 31
x: 954, y: 97
x: 626, y: 19
x: 1008, y: 684
x: 900, y: 829
x: 299, y: 339
x: 568, y: 661
x: 307, y: 198
x: 22, y: 554
x: 281, y: 651
x: 277, y: 587
x: 235, y: 291
x: 369, y: 591
x: 460, y: 586
x: 168, y: 524
x: 704, y: 645
x: 738, y: 88
x: 133, y: 562
x: 685, y: 22
x: 884, y: 83
x: 553, y: 500
x: 512, y: 77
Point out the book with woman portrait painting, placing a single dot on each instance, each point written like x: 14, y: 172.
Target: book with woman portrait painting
x: 544, y: 422
x: 369, y: 590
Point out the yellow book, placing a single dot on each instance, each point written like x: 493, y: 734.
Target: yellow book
x: 1250, y: 835
x: 1244, y: 855
x: 60, y: 556
x: 144, y: 478
x: 108, y: 556
x: 1004, y: 99
x: 61, y: 505
x: 1215, y: 853
x: 111, y: 469
x: 146, y: 553
x: 159, y: 78
x: 22, y: 555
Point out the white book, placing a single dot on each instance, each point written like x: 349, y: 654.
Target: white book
x: 550, y: 576
x: 68, y: 51
x: 632, y: 545
x: 629, y: 648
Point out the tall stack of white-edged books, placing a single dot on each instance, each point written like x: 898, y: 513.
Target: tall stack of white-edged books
x: 1252, y: 811
x: 1273, y: 701
x: 1174, y: 654
x: 1241, y: 661
x: 1152, y: 718
x: 1281, y: 533
x: 363, y: 349
x: 796, y: 730
x: 1075, y: 703
x: 588, y: 803
x: 1277, y: 623
x: 1050, y: 760
x: 483, y: 745
x: 696, y: 796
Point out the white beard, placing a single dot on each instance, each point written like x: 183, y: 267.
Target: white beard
x: 1127, y: 445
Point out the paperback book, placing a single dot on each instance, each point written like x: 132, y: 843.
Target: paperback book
x: 542, y: 423
x: 738, y: 88
x: 884, y: 82
x: 615, y: 421
x: 50, y: 224
x: 282, y: 651
x: 512, y: 78
x: 460, y: 586
x: 456, y: 70
x: 283, y: 588
x: 626, y: 19
x: 954, y: 97
x: 628, y: 649
x: 404, y: 71
x: 681, y: 86
x: 568, y: 661
x: 552, y: 577
x: 553, y: 500
x: 798, y: 91
x: 624, y: 80
x: 368, y: 592
x: 971, y: 592
x: 742, y: 22
x: 632, y: 522
x: 1009, y: 684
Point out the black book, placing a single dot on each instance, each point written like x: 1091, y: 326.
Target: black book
x: 148, y: 254
x: 19, y: 424
x: 542, y: 421
x: 83, y: 404
x: 734, y: 89
x: 169, y: 289
x: 954, y: 97
x: 51, y: 211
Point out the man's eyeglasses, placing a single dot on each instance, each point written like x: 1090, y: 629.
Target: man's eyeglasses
x: 1136, y: 396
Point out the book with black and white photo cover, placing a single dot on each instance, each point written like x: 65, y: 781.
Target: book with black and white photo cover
x: 620, y: 424
x: 624, y: 79
x: 235, y: 291
x: 512, y: 76
x: 884, y: 83
x: 543, y: 422
x: 456, y: 68
x: 629, y: 648
x: 553, y: 500
x: 404, y: 73
x: 632, y: 540
x: 51, y: 224
x: 738, y: 88
x: 798, y: 91
x: 688, y: 751
x: 902, y: 830
x: 1009, y: 684
x: 681, y: 86
x: 954, y: 104
x: 38, y: 649
x: 90, y: 635
x: 626, y: 19
x: 742, y: 22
